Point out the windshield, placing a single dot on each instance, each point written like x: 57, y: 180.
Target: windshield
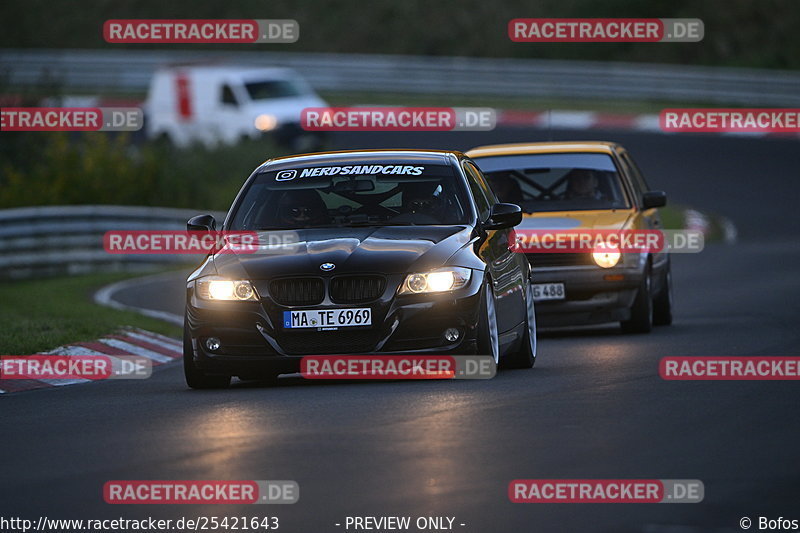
x: 361, y: 195
x: 265, y: 90
x: 556, y: 182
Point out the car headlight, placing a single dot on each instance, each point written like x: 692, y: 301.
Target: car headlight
x: 225, y: 290
x: 440, y: 280
x: 266, y: 122
x: 606, y: 257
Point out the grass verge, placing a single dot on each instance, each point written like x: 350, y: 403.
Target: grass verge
x: 715, y: 227
x: 39, y: 315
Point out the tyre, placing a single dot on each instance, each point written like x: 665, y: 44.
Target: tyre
x: 196, y: 378
x: 641, y: 320
x: 662, y: 304
x: 525, y: 356
x: 488, y: 339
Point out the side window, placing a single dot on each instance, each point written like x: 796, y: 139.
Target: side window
x: 484, y: 184
x: 228, y: 98
x: 641, y: 184
x: 479, y: 191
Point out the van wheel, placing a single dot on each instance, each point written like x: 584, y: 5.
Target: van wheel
x: 163, y: 141
x: 196, y: 378
x: 641, y: 320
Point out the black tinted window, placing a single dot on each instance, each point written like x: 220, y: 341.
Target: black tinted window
x: 227, y: 96
x: 479, y: 191
x: 263, y: 90
x: 354, y: 195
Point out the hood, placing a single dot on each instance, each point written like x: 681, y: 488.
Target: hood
x: 610, y: 219
x: 397, y: 249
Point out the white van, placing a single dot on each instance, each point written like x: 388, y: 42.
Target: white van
x: 214, y: 105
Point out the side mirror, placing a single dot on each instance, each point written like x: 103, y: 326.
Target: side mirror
x: 503, y: 216
x: 201, y: 223
x: 652, y: 199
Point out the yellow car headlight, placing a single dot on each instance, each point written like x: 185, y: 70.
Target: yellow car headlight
x: 606, y: 257
x: 440, y: 280
x: 225, y: 290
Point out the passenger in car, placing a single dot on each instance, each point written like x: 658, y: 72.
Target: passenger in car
x: 506, y: 187
x: 301, y: 208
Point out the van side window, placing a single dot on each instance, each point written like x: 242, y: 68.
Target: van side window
x: 228, y: 97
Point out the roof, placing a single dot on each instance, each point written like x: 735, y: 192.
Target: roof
x: 602, y: 147
x: 227, y: 70
x: 344, y: 157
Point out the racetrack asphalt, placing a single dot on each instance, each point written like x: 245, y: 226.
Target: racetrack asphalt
x: 593, y: 407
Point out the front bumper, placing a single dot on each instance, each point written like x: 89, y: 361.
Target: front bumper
x: 254, y: 341
x: 593, y: 295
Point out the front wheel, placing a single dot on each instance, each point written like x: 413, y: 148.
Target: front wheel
x: 196, y: 378
x: 525, y: 357
x: 488, y: 338
x: 662, y: 304
x: 641, y: 320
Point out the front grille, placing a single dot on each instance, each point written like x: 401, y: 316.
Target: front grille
x: 356, y: 289
x: 297, y: 291
x: 545, y: 260
x: 328, y: 342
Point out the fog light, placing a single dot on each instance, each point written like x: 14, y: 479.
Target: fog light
x: 213, y: 344
x: 451, y: 334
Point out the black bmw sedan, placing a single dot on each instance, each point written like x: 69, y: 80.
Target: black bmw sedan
x: 378, y: 252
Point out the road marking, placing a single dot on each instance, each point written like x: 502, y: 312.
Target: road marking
x: 133, y: 349
x: 74, y: 350
x: 105, y: 296
x: 170, y: 344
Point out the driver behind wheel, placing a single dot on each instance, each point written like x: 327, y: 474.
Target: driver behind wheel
x: 422, y: 203
x: 582, y: 185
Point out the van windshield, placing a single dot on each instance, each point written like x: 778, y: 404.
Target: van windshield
x: 265, y: 90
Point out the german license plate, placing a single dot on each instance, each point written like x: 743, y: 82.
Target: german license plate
x: 548, y: 291
x: 327, y: 318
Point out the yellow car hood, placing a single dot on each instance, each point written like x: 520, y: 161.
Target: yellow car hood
x: 615, y: 219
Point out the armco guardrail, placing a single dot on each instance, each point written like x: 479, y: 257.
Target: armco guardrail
x: 42, y: 241
x: 130, y: 71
